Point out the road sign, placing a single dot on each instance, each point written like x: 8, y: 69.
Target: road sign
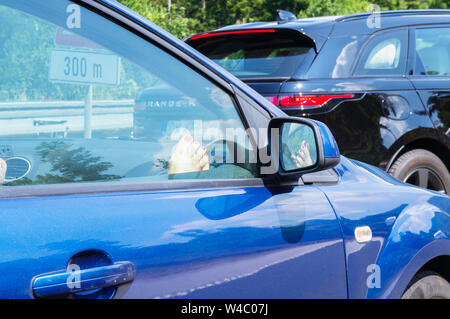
x: 84, y: 67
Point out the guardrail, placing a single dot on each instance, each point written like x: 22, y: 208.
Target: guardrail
x: 21, y: 110
x: 18, y: 118
x: 62, y: 104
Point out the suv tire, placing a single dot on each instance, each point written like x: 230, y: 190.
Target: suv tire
x: 422, y: 168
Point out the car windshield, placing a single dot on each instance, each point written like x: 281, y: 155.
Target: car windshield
x: 256, y: 55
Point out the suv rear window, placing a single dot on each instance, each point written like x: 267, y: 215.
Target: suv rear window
x: 257, y: 55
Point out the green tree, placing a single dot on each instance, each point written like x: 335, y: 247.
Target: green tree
x: 68, y: 165
x: 175, y: 21
x: 192, y: 16
x: 411, y: 4
x: 317, y: 8
x: 71, y: 164
x: 24, y: 62
x: 435, y: 4
x: 220, y: 13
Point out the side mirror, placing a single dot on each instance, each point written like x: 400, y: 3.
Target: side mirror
x: 301, y: 146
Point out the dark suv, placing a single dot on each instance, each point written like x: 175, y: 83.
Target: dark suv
x: 380, y: 81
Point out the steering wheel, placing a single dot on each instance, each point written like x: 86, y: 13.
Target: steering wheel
x: 239, y: 152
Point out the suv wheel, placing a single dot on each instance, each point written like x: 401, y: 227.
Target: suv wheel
x: 422, y: 168
x: 428, y: 285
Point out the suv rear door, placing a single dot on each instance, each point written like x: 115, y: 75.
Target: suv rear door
x: 431, y: 51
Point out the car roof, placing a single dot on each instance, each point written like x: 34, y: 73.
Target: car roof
x: 320, y: 28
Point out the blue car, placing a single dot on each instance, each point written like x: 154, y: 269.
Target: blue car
x: 132, y: 166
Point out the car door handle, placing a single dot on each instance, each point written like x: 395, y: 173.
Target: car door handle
x: 68, y: 282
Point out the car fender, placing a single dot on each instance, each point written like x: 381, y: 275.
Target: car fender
x: 419, y: 234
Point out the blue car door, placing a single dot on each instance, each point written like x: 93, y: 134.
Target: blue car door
x: 125, y: 176
x: 234, y: 242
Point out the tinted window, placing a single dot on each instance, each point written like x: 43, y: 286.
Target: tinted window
x: 337, y: 57
x: 257, y: 55
x: 385, y: 54
x: 77, y: 105
x: 433, y: 51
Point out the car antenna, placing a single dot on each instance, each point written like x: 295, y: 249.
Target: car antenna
x: 285, y: 16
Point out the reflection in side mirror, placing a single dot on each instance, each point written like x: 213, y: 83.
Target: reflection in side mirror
x: 301, y: 146
x: 298, y: 147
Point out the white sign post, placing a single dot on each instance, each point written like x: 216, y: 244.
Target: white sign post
x: 84, y: 67
x: 88, y: 113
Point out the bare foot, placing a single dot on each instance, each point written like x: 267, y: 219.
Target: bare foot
x: 303, y: 158
x: 188, y: 156
x: 2, y: 170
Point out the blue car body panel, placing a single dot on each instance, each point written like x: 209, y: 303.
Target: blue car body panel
x: 220, y: 243
x: 233, y: 242
x: 408, y: 223
x: 240, y: 242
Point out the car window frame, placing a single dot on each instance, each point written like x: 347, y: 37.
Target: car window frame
x: 368, y: 41
x: 413, y: 54
x: 154, y: 38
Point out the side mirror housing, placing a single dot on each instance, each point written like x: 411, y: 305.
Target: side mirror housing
x: 331, y: 153
x: 301, y: 146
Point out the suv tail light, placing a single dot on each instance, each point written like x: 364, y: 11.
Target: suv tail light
x: 306, y: 101
x: 273, y: 100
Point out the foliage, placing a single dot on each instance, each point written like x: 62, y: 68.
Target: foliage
x: 174, y: 21
x: 188, y: 16
x: 68, y: 165
x: 25, y: 45
x: 20, y: 47
x: 317, y: 8
x: 71, y: 164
